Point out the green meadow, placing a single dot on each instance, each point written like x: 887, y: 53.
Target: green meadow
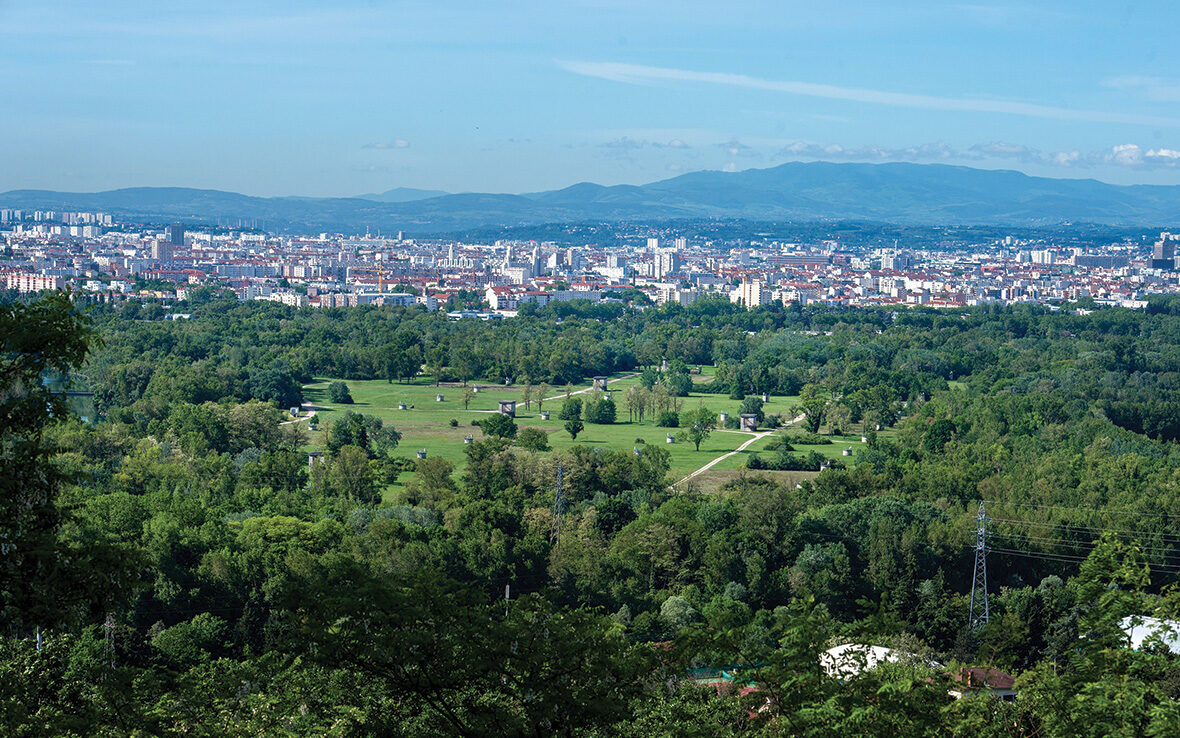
x: 425, y: 424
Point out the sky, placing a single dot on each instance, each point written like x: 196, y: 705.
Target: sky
x: 341, y: 98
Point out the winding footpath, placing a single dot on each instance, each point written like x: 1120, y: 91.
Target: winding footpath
x: 738, y: 450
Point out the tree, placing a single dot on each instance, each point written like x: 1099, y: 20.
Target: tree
x: 679, y: 383
x: 453, y: 663
x: 276, y: 384
x: 366, y: 431
x: 351, y: 476
x: 436, y: 361
x: 938, y: 435
x: 500, y: 426
x: 636, y: 402
x: 571, y: 409
x: 534, y: 439
x: 600, y: 412
x: 753, y: 404
x: 612, y: 516
x: 468, y: 396
x: 542, y: 390
x: 698, y: 424
x: 668, y: 419
x: 45, y: 578
x: 813, y: 403
x: 404, y: 356
x: 338, y: 393
x: 573, y: 426
x: 432, y: 485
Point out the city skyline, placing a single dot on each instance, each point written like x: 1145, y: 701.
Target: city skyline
x: 308, y: 99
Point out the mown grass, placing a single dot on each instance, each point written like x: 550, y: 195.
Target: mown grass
x: 426, y: 423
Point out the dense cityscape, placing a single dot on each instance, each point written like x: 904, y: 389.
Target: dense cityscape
x: 100, y: 260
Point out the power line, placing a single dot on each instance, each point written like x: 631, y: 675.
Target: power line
x: 1079, y: 544
x: 1092, y: 529
x: 1095, y: 510
x: 1072, y: 559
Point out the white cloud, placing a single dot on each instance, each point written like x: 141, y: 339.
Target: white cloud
x: 1002, y: 150
x: 1065, y: 158
x: 639, y: 74
x: 399, y: 143
x: 836, y: 152
x: 1168, y: 155
x: 734, y: 147
x: 1132, y: 155
x: 1122, y: 155
x: 623, y: 144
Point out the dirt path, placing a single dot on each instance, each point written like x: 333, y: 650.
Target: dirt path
x: 738, y: 450
x: 561, y: 395
x: 301, y: 418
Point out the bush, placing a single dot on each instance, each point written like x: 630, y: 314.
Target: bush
x: 777, y: 443
x: 600, y: 413
x: 500, y: 426
x: 534, y: 439
x: 668, y: 419
x: 679, y: 384
x: 784, y: 460
x: 753, y: 405
x: 338, y: 393
x: 454, y: 422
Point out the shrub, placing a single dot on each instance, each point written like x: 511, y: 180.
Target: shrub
x: 500, y: 426
x: 753, y: 404
x: 809, y: 439
x: 668, y: 419
x: 534, y: 439
x: 338, y: 393
x: 600, y: 413
x: 454, y: 422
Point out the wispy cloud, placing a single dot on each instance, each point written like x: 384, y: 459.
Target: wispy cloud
x: 1121, y: 155
x: 1157, y: 89
x: 399, y: 143
x: 836, y: 152
x: 647, y: 75
x: 628, y: 143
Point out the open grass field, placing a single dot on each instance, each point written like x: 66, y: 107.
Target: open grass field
x: 426, y: 423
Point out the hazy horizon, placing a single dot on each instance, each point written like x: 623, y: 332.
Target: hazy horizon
x: 381, y: 190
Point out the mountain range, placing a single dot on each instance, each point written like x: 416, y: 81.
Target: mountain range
x: 903, y: 193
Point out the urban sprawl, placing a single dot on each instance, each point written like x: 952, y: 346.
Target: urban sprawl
x: 99, y: 258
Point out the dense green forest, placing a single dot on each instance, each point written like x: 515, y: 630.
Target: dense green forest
x: 174, y: 565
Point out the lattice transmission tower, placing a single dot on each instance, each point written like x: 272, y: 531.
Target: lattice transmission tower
x: 979, y: 613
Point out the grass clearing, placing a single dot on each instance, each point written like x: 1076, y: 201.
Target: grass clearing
x: 426, y: 422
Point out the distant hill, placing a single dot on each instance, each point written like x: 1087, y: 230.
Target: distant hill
x: 402, y: 194
x: 801, y: 192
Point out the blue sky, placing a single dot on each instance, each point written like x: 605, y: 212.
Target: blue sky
x: 339, y: 98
